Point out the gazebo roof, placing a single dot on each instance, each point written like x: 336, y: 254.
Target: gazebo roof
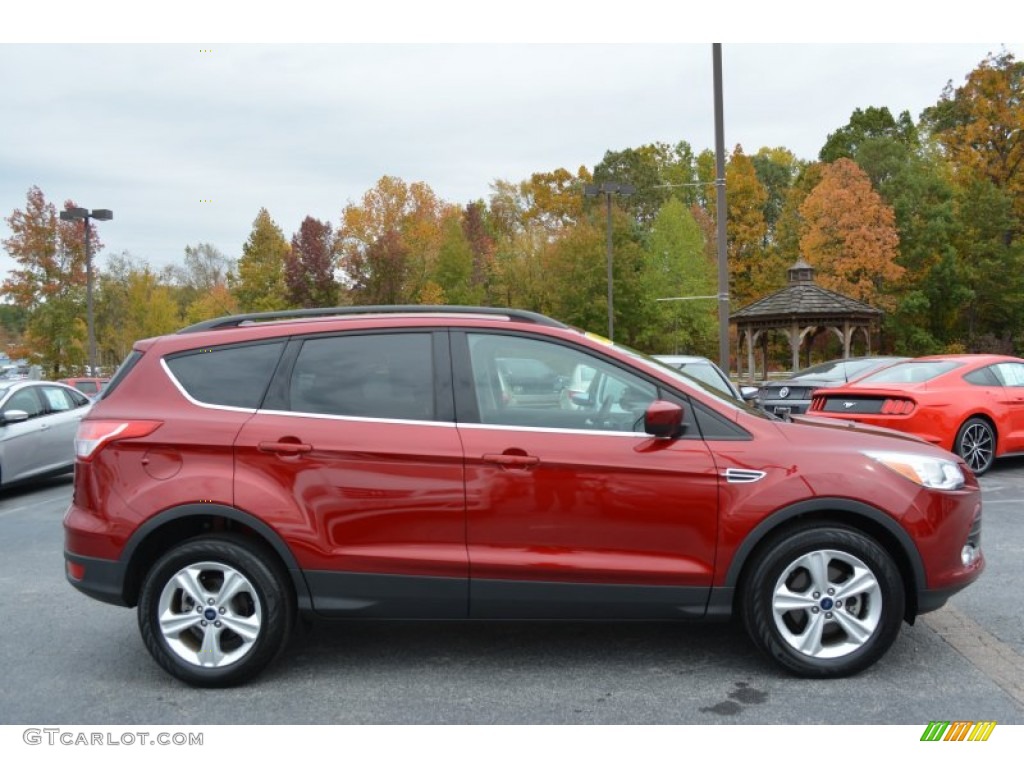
x: 802, y: 301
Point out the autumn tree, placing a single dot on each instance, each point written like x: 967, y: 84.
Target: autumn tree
x: 49, y: 282
x: 481, y: 243
x: 522, y: 234
x: 133, y: 303
x: 217, y: 302
x: 260, y: 283
x: 745, y: 198
x: 309, y: 266
x: 850, y: 236
x: 979, y: 127
x: 388, y: 244
x: 203, y: 269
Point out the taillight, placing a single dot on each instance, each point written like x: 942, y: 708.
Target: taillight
x: 93, y: 435
x: 897, y: 407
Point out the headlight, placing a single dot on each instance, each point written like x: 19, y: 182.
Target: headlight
x: 926, y: 471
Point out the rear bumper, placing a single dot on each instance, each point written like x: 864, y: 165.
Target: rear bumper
x: 98, y: 578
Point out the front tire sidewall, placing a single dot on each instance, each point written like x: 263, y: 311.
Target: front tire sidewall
x: 268, y: 584
x: 758, y: 596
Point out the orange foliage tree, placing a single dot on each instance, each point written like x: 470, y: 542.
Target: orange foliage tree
x: 849, y: 235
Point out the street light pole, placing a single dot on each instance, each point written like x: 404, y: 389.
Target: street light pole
x: 99, y: 214
x: 720, y: 211
x: 609, y: 188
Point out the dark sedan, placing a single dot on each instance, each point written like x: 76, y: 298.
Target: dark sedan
x: 793, y: 395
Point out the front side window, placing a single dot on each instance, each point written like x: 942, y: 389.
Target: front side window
x: 382, y: 376
x: 25, y: 400
x: 533, y: 383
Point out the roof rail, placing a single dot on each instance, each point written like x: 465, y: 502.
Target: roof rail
x: 233, y: 321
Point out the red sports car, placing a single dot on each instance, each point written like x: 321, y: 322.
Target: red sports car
x: 972, y: 405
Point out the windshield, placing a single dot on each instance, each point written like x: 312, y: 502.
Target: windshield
x: 912, y: 372
x: 837, y: 370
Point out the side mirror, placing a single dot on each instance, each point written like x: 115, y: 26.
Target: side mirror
x: 581, y: 399
x: 664, y: 419
x: 749, y: 393
x: 13, y: 417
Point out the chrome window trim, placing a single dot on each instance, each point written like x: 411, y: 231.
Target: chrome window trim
x: 358, y: 419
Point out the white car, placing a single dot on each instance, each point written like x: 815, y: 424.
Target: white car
x: 706, y: 372
x: 38, y: 422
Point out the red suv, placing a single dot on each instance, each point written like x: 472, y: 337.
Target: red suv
x: 379, y: 462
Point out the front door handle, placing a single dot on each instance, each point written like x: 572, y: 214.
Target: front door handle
x: 283, y: 447
x: 511, y: 460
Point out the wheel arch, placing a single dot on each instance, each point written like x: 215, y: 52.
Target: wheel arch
x: 843, y: 512
x: 173, y: 526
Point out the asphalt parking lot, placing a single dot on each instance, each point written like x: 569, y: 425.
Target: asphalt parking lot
x: 71, y: 660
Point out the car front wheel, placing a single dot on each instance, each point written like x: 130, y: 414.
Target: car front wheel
x: 215, y: 611
x: 824, y: 601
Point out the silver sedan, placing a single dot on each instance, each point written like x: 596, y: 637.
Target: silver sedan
x: 38, y: 422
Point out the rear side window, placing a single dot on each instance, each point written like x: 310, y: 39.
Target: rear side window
x: 381, y: 376
x: 59, y: 399
x: 912, y: 372
x: 231, y: 376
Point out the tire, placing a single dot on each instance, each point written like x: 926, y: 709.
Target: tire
x: 214, y: 611
x: 976, y: 445
x: 791, y: 614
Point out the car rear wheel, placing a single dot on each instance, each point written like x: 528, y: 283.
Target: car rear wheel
x: 215, y: 611
x: 976, y: 445
x: 823, y: 601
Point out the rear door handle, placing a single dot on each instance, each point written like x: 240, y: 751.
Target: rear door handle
x: 286, y: 448
x: 511, y: 459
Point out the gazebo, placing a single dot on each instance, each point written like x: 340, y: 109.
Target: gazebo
x: 799, y: 310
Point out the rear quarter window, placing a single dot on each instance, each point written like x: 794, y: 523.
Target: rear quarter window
x: 235, y: 376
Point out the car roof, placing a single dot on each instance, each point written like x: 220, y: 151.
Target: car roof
x: 682, y: 359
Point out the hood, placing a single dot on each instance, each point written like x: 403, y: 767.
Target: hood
x: 851, y: 428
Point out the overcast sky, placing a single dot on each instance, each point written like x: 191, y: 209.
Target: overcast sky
x: 185, y: 142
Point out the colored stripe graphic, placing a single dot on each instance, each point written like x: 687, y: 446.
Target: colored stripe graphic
x: 958, y: 730
x: 935, y: 730
x: 982, y: 730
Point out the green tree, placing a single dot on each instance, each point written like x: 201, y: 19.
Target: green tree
x: 864, y: 125
x: 776, y: 168
x: 260, y: 283
x: 679, y: 268
x: 453, y: 273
